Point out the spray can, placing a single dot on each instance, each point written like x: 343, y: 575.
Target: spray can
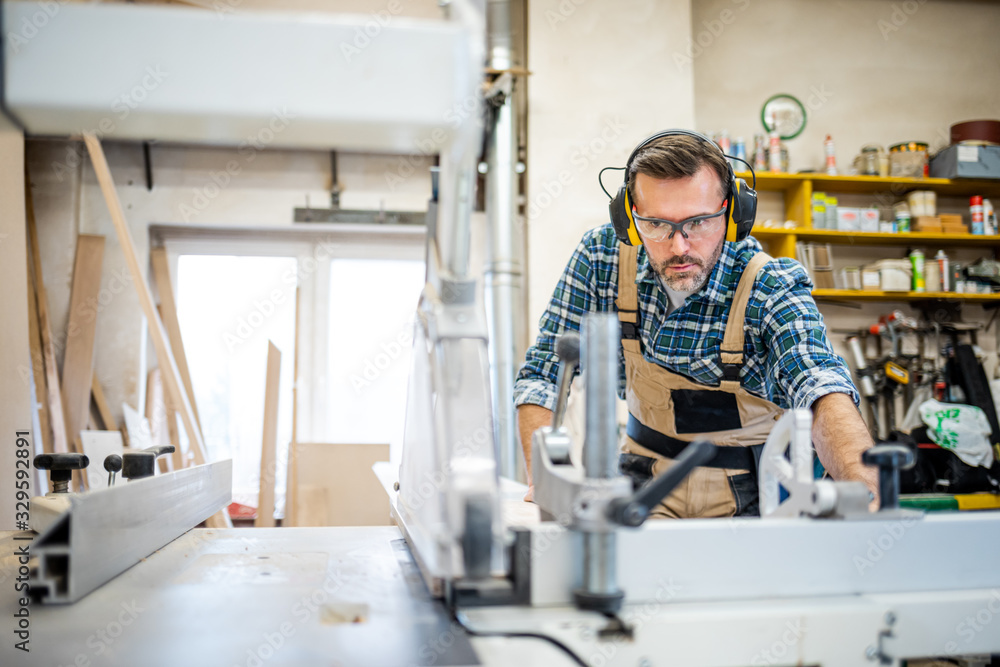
x: 759, y: 152
x: 917, y: 260
x: 831, y: 158
x: 774, y: 153
x: 942, y: 260
x: 740, y: 151
x: 976, y: 210
x: 989, y: 218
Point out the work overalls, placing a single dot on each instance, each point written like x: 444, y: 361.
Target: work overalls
x: 668, y: 410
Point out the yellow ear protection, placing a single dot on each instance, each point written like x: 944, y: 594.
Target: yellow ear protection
x: 741, y: 199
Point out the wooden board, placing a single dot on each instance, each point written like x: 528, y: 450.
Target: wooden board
x: 315, y: 503
x: 53, y: 391
x: 173, y: 433
x: 78, y: 363
x: 38, y: 368
x: 291, y: 478
x: 354, y: 496
x: 168, y: 312
x: 101, y: 403
x: 98, y: 445
x: 265, y: 499
x: 165, y: 358
x: 156, y: 416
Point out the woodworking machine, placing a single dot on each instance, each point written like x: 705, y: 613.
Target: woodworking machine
x: 471, y: 575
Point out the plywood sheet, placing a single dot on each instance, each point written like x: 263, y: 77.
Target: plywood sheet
x: 354, y: 496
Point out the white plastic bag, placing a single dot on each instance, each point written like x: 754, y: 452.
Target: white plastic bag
x: 963, y: 429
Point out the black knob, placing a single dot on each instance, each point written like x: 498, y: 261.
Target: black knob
x: 889, y: 459
x: 568, y: 348
x: 140, y: 464
x: 113, y: 463
x: 61, y: 467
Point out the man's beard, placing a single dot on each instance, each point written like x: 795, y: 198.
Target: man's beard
x: 691, y: 281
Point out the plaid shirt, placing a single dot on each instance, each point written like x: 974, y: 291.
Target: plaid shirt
x: 787, y: 357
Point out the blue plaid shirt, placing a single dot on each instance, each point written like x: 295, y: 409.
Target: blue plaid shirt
x: 787, y: 357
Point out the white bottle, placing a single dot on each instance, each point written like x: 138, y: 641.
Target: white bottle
x: 989, y: 218
x: 831, y: 158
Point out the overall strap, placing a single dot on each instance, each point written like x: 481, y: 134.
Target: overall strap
x: 627, y: 301
x: 732, y: 343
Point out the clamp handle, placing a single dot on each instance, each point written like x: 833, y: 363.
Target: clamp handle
x: 61, y: 467
x: 140, y: 464
x: 633, y: 511
x: 568, y: 351
x: 890, y: 459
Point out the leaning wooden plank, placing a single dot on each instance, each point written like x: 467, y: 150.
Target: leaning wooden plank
x: 38, y: 367
x: 52, y: 385
x: 101, y: 402
x: 173, y: 436
x: 156, y: 416
x: 78, y: 364
x: 265, y: 499
x: 165, y: 358
x: 168, y: 312
x: 291, y: 473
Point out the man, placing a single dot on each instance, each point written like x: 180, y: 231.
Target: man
x: 718, y: 339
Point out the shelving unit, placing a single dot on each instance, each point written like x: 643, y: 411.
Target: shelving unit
x: 798, y: 190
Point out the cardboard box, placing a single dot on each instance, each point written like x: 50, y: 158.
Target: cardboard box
x: 870, y: 278
x: 848, y: 219
x: 868, y: 219
x: 823, y: 278
x: 951, y: 219
x: 927, y: 223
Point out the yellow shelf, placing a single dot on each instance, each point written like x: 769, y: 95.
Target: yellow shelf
x: 872, y: 238
x: 876, y: 295
x: 870, y: 184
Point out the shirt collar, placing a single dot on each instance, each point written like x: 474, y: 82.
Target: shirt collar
x: 722, y: 279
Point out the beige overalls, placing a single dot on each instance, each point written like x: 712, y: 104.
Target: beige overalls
x: 668, y: 410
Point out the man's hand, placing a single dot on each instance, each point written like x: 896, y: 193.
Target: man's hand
x: 840, y: 436
x: 530, y: 418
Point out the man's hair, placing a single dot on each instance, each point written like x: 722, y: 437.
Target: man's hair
x: 679, y: 156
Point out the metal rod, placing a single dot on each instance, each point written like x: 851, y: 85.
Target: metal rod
x: 600, y: 363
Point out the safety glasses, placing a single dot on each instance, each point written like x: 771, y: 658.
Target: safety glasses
x: 694, y: 229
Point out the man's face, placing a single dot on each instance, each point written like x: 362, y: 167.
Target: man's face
x: 684, y: 264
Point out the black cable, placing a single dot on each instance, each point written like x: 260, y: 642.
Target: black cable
x: 601, y: 173
x: 749, y: 166
x: 3, y: 80
x: 526, y: 635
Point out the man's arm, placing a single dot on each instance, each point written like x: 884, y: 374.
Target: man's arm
x: 840, y: 436
x: 530, y: 418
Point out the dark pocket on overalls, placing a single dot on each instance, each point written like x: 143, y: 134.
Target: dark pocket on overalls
x: 744, y: 488
x: 638, y: 468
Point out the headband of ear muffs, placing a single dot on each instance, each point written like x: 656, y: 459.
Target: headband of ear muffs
x: 741, y: 199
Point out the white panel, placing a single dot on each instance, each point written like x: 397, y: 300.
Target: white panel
x: 249, y: 78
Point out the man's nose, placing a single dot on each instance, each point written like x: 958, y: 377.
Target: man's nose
x: 678, y: 245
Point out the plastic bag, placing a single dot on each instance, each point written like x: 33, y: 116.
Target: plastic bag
x: 960, y: 428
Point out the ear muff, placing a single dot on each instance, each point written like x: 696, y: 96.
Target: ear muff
x: 741, y: 199
x: 742, y: 209
x: 620, y: 209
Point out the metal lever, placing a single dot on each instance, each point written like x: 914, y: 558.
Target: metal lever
x: 889, y: 459
x: 113, y: 464
x: 140, y: 464
x: 634, y: 510
x: 61, y: 467
x: 568, y: 351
